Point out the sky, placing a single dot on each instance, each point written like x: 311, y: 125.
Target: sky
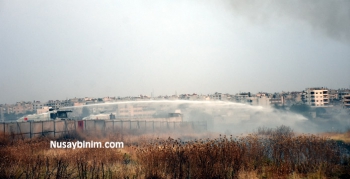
x: 65, y: 49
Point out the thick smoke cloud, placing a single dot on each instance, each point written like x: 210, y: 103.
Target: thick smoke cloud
x: 329, y: 18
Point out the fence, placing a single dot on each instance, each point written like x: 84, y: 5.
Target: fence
x: 57, y: 128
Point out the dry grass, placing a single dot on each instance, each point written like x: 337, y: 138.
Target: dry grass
x: 345, y: 137
x: 269, y: 153
x: 274, y: 153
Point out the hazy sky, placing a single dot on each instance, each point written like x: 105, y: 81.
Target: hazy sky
x: 66, y: 49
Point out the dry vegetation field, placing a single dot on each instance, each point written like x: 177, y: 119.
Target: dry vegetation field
x: 268, y: 153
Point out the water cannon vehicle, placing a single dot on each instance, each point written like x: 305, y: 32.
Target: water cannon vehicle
x: 52, y: 114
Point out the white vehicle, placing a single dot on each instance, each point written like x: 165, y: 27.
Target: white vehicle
x: 51, y: 115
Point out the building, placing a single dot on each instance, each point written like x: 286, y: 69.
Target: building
x: 20, y: 108
x: 55, y: 104
x: 277, y: 99
x: 108, y: 99
x: 346, y: 101
x: 343, y: 92
x: 333, y: 96
x: 290, y: 98
x: 242, y: 98
x: 317, y: 97
x: 303, y: 97
x: 260, y: 101
x: 37, y: 105
x: 262, y: 94
x: 134, y: 110
x: 219, y: 96
x: 44, y: 109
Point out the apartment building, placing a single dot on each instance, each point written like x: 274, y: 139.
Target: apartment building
x: 56, y: 104
x: 242, y: 98
x: 192, y: 97
x: 277, y: 99
x: 20, y: 108
x: 317, y: 97
x: 343, y: 92
x: 346, y: 101
x: 293, y: 97
x: 134, y: 110
x: 172, y: 97
x: 260, y: 101
x: 219, y: 96
x: 37, y: 105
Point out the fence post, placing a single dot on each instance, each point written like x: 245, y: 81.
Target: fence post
x: 42, y: 128
x: 4, y: 128
x: 54, y: 129
x: 122, y: 126
x: 95, y: 125
x: 130, y: 124
x: 153, y: 126
x: 104, y: 126
x: 65, y: 127
x: 20, y: 131
x: 30, y: 129
x: 113, y: 125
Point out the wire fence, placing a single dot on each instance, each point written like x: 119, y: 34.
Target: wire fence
x: 57, y: 128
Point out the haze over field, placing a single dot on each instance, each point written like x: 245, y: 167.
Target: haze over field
x: 221, y: 116
x: 66, y: 49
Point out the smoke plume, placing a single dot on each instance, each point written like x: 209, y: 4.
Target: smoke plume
x: 329, y: 18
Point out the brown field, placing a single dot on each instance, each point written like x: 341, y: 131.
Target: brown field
x: 268, y: 153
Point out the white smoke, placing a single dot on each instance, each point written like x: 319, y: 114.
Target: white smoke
x: 221, y: 116
x: 329, y: 18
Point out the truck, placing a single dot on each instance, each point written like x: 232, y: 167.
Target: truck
x: 52, y: 114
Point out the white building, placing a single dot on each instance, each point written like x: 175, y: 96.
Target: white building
x: 260, y: 101
x: 37, y: 105
x: 219, y: 96
x: 317, y: 97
